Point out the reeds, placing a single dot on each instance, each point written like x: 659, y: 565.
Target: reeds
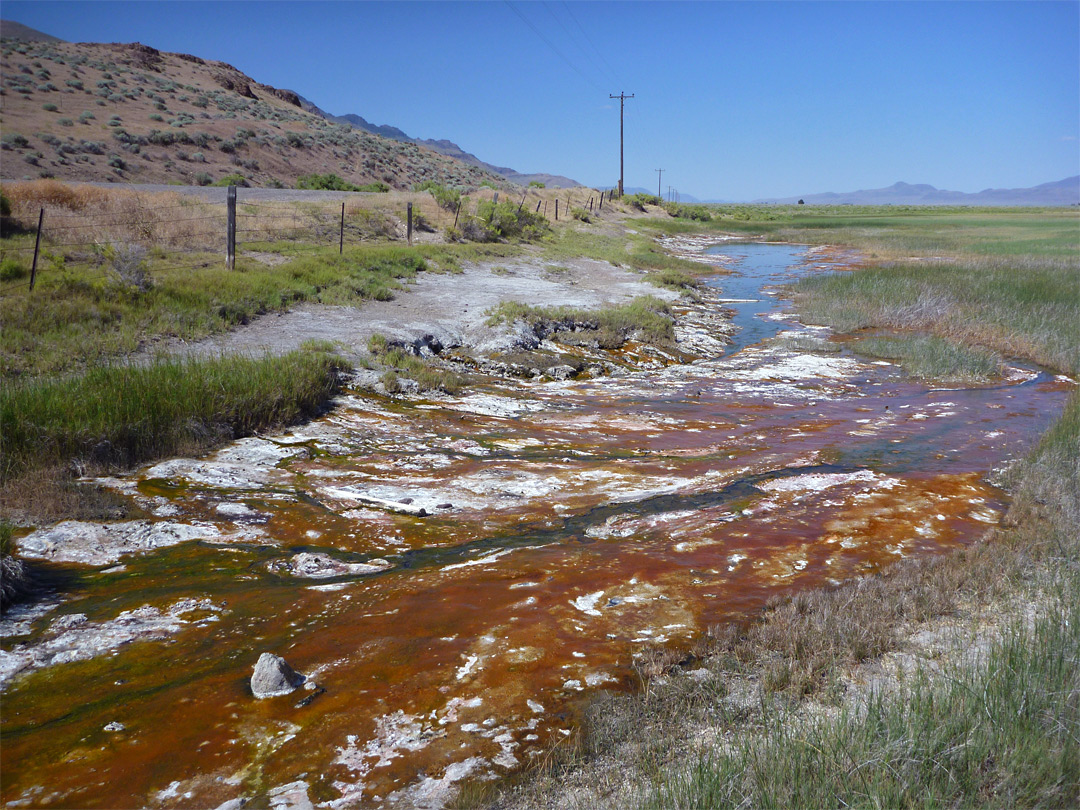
x: 119, y: 415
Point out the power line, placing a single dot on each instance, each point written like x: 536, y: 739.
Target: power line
x: 610, y: 70
x: 571, y: 38
x: 551, y: 45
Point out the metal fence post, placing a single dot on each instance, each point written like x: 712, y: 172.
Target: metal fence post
x: 230, y: 229
x: 37, y: 246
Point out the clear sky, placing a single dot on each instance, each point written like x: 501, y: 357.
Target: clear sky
x: 735, y: 100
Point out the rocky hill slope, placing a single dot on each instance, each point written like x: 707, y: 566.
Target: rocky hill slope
x: 445, y: 147
x: 130, y: 113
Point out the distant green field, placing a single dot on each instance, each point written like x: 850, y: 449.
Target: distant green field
x: 902, y: 230
x: 1005, y: 280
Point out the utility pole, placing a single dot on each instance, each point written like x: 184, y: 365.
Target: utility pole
x: 622, y: 97
x: 658, y: 179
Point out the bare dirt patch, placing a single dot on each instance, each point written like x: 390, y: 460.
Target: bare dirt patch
x: 452, y: 308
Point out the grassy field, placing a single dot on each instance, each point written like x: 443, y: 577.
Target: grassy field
x: 1001, y: 732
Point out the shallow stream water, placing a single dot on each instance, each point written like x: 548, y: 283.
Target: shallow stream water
x: 454, y: 575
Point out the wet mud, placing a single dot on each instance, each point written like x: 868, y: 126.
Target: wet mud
x: 453, y: 575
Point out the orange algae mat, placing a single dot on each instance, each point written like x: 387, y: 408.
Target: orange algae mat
x: 454, y: 575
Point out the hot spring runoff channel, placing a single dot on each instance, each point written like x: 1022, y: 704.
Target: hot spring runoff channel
x: 455, y: 575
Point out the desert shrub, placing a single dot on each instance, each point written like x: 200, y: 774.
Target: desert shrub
x: 127, y: 263
x: 234, y: 179
x: 86, y: 116
x: 12, y: 140
x: 505, y: 220
x: 581, y: 214
x: 682, y: 211
x: 445, y: 197
x: 639, y: 201
x: 203, y: 179
x: 50, y: 107
x: 12, y: 269
x: 537, y: 184
x: 325, y: 182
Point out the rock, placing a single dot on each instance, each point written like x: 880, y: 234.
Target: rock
x: 274, y: 677
x: 115, y: 726
x: 561, y: 372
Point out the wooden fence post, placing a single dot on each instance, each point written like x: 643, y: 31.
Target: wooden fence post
x: 538, y: 206
x: 341, y: 232
x: 457, y: 214
x: 601, y: 207
x: 230, y: 229
x: 556, y: 209
x: 409, y: 227
x: 523, y: 196
x: 37, y: 246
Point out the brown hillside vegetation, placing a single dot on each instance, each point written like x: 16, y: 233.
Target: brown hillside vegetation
x: 132, y: 114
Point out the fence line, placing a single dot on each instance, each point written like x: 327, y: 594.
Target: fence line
x: 325, y: 224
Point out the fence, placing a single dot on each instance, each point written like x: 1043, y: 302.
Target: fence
x: 88, y: 226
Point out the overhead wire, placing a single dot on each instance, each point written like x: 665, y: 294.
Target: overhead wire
x: 594, y: 49
x: 570, y: 37
x: 552, y: 45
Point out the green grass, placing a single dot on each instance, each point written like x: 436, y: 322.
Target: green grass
x: 401, y: 363
x: 1004, y: 280
x: 896, y: 231
x: 1002, y: 734
x: 933, y: 358
x: 646, y: 318
x: 1022, y: 308
x: 636, y: 251
x: 126, y: 414
x: 79, y: 316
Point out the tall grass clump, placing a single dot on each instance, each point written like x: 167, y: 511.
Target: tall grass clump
x: 933, y: 358
x: 1028, y: 309
x: 495, y: 221
x: 1004, y: 732
x: 126, y: 414
x: 398, y: 360
x: 646, y: 319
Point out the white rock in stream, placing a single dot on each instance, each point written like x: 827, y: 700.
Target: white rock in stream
x: 319, y: 566
x: 274, y: 677
x: 104, y: 543
x: 73, y: 637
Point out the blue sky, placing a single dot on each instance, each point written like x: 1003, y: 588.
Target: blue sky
x: 735, y: 100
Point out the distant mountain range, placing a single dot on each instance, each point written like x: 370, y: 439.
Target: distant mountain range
x: 1061, y: 192
x: 443, y: 147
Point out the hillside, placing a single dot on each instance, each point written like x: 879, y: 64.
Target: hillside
x: 131, y: 113
x: 1061, y: 192
x: 445, y: 147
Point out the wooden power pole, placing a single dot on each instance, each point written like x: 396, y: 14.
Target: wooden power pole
x: 622, y: 97
x: 658, y: 179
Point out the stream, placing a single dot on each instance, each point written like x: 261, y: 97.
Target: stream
x: 456, y: 575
